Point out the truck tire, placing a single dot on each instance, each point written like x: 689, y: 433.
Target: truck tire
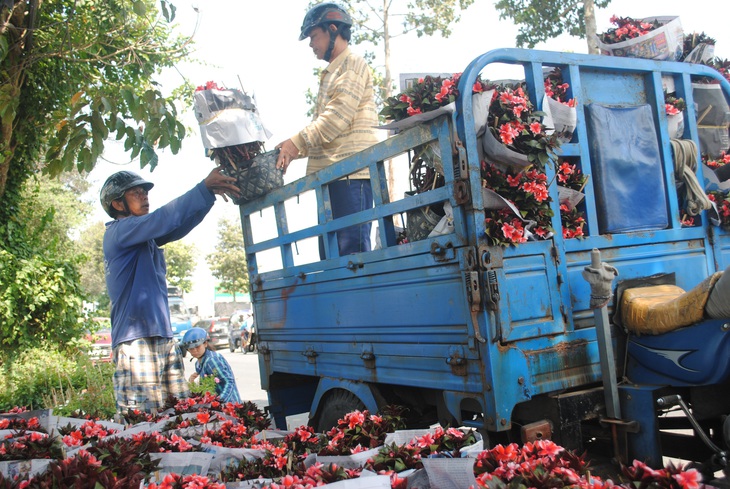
x: 334, y: 406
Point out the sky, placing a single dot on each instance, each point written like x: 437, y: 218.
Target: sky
x: 255, y: 45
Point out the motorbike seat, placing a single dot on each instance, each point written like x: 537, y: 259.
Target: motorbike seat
x: 662, y: 308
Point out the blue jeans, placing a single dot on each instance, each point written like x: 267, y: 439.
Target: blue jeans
x: 347, y: 197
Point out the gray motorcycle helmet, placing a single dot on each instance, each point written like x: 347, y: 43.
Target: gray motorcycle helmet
x: 116, y: 185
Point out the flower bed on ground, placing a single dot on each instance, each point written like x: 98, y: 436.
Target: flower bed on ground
x: 242, y: 448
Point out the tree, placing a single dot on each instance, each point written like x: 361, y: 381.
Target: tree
x: 181, y: 261
x: 41, y: 296
x: 91, y: 268
x: 56, y: 200
x: 540, y: 20
x: 71, y: 74
x: 228, y: 261
x: 74, y: 73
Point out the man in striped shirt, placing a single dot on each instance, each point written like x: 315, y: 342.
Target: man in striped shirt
x: 344, y: 121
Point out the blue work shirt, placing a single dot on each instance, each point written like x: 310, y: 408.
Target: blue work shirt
x: 135, y: 265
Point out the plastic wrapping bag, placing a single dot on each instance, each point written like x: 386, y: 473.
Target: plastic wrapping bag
x: 228, y: 118
x: 665, y: 43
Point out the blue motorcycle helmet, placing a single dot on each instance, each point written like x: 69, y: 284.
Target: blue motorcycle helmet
x: 194, y: 337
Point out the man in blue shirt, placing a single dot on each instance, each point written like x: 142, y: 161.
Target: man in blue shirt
x: 148, y: 362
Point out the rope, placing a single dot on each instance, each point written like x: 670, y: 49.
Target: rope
x: 685, y: 168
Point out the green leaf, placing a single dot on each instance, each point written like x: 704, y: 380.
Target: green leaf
x: 139, y: 8
x: 148, y: 156
x: 3, y: 48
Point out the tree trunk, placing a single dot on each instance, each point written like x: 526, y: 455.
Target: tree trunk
x: 589, y: 11
x: 18, y: 31
x: 388, y: 82
x: 386, y: 45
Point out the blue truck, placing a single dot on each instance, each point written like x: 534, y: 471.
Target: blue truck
x: 505, y: 339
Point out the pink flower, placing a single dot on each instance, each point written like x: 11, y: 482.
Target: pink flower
x: 508, y: 133
x: 518, y: 109
x: 688, y: 479
x: 355, y: 418
x: 425, y: 440
x: 671, y: 109
x: 513, y: 233
x: 539, y: 191
x: 547, y: 448
x: 536, y: 127
x: 513, y: 181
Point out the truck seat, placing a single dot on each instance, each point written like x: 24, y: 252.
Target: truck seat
x: 662, y: 308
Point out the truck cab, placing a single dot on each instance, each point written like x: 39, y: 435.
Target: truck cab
x: 505, y: 339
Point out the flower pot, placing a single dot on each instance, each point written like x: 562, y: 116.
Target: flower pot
x: 675, y: 125
x: 665, y: 43
x: 420, y: 223
x: 497, y: 153
x: 255, y: 177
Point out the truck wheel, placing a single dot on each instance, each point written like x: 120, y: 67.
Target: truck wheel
x: 337, y: 403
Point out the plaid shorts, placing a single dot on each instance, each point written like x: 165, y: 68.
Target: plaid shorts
x: 147, y: 371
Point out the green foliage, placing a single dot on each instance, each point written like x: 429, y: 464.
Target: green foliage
x: 50, y: 209
x: 228, y: 261
x: 67, y: 382
x: 204, y: 384
x: 540, y: 20
x: 41, y: 297
x: 40, y: 301
x: 181, y: 259
x: 91, y: 266
x: 86, y: 73
x: 373, y: 19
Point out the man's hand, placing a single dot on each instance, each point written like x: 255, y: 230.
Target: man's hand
x: 193, y: 377
x: 287, y: 152
x: 221, y: 184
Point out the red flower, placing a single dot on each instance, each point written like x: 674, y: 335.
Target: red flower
x: 514, y: 232
x: 537, y: 190
x: 671, y: 109
x: 688, y: 479
x: 508, y: 133
x: 513, y: 181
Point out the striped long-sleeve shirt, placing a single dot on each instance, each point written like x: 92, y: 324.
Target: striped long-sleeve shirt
x: 345, y: 116
x: 213, y: 363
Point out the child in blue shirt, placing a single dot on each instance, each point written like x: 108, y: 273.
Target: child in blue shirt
x: 210, y: 362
